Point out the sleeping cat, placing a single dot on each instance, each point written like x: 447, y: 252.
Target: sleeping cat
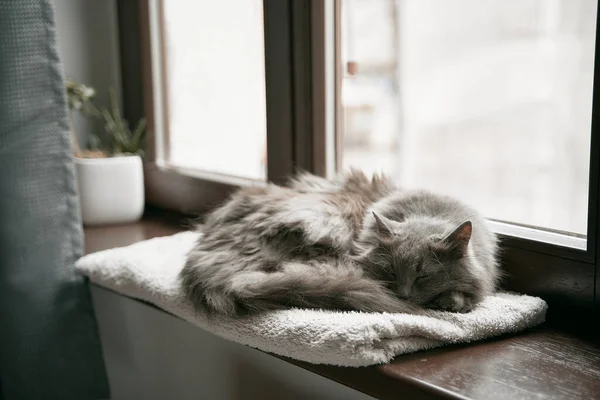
x: 349, y: 244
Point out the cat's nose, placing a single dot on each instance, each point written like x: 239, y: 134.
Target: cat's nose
x: 403, y: 292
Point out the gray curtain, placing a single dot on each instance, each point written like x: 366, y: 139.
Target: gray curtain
x: 49, y: 345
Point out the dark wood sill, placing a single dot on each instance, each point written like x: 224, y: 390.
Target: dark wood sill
x: 545, y: 362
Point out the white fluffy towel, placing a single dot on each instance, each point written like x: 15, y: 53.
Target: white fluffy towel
x: 148, y: 271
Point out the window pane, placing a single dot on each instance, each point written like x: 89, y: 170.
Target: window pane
x: 489, y: 101
x: 216, y: 86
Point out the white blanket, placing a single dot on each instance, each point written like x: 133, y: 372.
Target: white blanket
x: 148, y: 271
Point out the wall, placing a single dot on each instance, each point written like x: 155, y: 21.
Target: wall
x: 150, y: 354
x: 89, y: 48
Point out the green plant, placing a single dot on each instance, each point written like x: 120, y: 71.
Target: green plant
x: 121, y: 140
x: 79, y: 98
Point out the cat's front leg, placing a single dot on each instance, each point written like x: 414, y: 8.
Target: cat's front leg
x: 454, y: 301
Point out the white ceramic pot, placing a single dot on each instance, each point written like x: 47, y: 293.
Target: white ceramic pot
x: 111, y: 190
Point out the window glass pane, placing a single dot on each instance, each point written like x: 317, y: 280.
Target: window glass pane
x: 489, y: 101
x: 215, y: 85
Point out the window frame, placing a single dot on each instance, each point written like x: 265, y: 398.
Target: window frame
x: 296, y: 61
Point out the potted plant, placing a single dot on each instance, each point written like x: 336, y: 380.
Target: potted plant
x: 110, y: 176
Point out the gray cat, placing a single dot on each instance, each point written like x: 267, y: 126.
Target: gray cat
x: 349, y: 244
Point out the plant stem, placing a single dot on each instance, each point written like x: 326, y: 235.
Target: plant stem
x: 75, y: 143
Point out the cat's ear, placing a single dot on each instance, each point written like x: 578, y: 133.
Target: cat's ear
x: 458, y: 240
x: 383, y: 226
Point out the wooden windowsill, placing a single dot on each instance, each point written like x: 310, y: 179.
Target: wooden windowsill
x: 544, y: 362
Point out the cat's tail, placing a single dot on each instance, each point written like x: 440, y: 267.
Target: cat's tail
x: 302, y: 285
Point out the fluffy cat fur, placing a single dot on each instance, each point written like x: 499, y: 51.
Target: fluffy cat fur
x: 347, y: 244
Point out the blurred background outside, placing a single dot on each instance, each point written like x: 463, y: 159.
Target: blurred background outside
x: 486, y: 100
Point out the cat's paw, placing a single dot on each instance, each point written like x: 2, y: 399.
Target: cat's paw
x: 453, y: 302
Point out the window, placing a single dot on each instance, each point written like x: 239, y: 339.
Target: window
x: 214, y: 100
x: 488, y: 101
x: 493, y: 102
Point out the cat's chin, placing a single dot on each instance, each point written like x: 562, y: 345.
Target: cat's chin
x: 453, y: 302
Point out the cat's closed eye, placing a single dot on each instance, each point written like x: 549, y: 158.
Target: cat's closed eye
x: 419, y: 267
x: 421, y: 274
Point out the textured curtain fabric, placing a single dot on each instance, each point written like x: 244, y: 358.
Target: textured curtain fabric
x: 49, y: 345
